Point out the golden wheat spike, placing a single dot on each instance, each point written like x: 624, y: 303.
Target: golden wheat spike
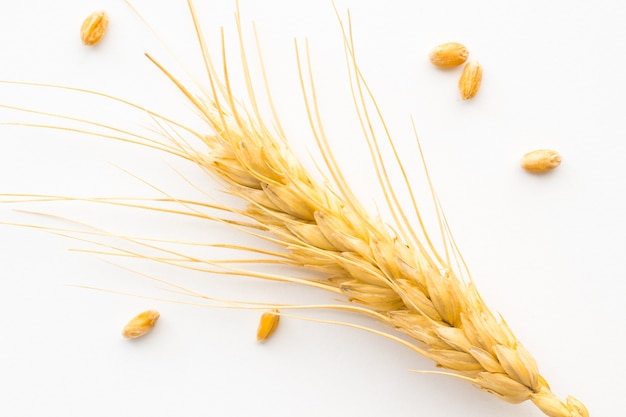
x: 395, y: 275
x: 398, y: 276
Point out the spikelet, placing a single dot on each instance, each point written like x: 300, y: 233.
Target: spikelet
x: 397, y: 278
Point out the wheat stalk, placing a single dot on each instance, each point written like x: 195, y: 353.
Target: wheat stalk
x: 396, y: 275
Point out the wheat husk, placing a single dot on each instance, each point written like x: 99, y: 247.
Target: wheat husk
x: 389, y: 273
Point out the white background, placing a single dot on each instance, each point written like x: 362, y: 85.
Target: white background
x: 545, y: 251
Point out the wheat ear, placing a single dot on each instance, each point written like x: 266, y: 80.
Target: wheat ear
x: 395, y: 276
x: 399, y: 278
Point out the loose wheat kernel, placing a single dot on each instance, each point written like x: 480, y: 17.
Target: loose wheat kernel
x: 267, y: 325
x: 541, y: 160
x: 449, y: 54
x: 94, y: 27
x: 470, y: 80
x: 141, y: 324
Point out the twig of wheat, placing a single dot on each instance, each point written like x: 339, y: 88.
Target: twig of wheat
x: 395, y: 276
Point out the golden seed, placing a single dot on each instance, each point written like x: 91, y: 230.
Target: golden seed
x: 449, y: 54
x: 94, y: 27
x: 470, y: 80
x: 267, y: 325
x: 541, y: 160
x: 141, y: 324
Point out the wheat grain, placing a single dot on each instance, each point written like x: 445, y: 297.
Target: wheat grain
x: 141, y: 324
x: 450, y: 54
x: 94, y: 27
x: 267, y: 325
x: 470, y: 80
x: 541, y: 160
